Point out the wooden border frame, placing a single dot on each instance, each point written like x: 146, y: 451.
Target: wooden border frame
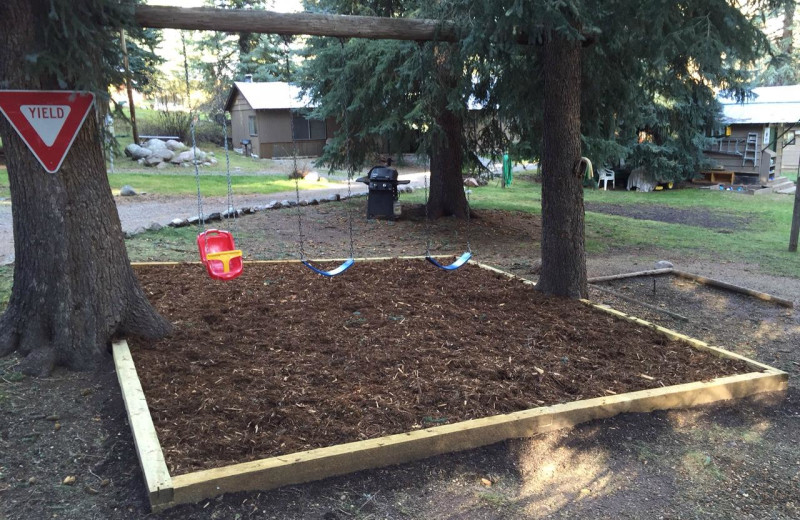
x: 165, y: 491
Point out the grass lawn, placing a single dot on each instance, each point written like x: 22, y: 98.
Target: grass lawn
x: 210, y: 185
x: 763, y: 241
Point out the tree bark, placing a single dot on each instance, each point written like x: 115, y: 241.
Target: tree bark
x: 74, y: 288
x: 563, y: 270
x: 447, y: 149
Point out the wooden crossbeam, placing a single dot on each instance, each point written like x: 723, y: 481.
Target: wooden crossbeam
x: 287, y: 24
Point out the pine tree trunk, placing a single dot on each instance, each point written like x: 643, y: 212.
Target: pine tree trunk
x: 73, y: 287
x: 447, y: 187
x: 563, y: 269
x: 447, y: 153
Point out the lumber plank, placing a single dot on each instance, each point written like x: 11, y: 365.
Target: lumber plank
x: 652, y: 272
x: 312, y: 24
x: 734, y: 288
x: 151, y: 458
x: 396, y: 449
x: 643, y: 304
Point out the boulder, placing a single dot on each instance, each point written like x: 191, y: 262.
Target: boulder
x: 127, y: 191
x: 471, y: 182
x: 152, y: 161
x: 174, y: 145
x: 154, y: 226
x: 272, y: 205
x: 664, y: 264
x: 178, y: 222
x: 213, y: 217
x: 136, y: 152
x: 163, y: 154
x: 155, y: 145
x: 189, y: 155
x: 162, y: 165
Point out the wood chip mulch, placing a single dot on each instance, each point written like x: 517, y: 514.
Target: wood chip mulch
x: 283, y: 360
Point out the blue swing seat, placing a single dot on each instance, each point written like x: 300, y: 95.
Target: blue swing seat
x: 339, y: 270
x: 461, y: 260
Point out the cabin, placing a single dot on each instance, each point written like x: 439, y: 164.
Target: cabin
x: 270, y: 117
x: 760, y: 141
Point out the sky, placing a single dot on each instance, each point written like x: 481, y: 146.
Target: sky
x: 170, y: 48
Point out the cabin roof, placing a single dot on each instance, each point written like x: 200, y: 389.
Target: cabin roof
x: 271, y: 95
x: 768, y: 105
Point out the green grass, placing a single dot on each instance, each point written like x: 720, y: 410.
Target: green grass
x: 210, y: 185
x: 764, y: 242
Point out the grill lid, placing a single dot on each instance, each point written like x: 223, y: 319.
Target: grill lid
x: 383, y: 174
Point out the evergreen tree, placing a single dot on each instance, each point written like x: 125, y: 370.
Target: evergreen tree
x: 74, y: 288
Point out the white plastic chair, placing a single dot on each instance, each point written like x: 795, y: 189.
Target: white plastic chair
x: 605, y: 175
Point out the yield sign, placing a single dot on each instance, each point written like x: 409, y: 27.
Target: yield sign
x: 47, y: 120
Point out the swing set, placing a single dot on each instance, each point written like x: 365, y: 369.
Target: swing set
x: 218, y: 252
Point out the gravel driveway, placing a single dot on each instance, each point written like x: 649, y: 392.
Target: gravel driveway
x: 141, y: 211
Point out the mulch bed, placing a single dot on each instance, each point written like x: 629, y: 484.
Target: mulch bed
x: 283, y: 360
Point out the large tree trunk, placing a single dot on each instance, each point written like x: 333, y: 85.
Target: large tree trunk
x: 563, y: 270
x: 447, y: 151
x: 447, y: 186
x: 73, y: 285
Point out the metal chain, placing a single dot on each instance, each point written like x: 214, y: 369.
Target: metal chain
x: 231, y: 209
x: 469, y: 246
x: 350, y: 166
x: 427, y: 221
x: 200, y: 214
x: 295, y: 173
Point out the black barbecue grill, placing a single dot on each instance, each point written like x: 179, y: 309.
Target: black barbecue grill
x: 383, y: 195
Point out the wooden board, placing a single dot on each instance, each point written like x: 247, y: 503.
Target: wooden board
x: 157, y: 479
x: 167, y: 491
x: 735, y: 288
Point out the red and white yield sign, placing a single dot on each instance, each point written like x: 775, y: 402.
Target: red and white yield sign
x: 47, y: 120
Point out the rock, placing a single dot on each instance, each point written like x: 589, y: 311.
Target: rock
x: 249, y: 210
x: 193, y: 219
x: 155, y: 145
x: 304, y: 202
x: 409, y: 189
x: 69, y: 480
x: 163, y: 154
x: 162, y: 165
x: 178, y: 222
x: 136, y: 152
x: 313, y: 202
x: 141, y: 162
x: 214, y: 217
x: 663, y: 264
x: 152, y: 160
x: 471, y: 182
x: 272, y: 205
x: 312, y: 177
x: 127, y: 191
x: 138, y: 231
x: 189, y: 155
x: 207, y: 163
x: 32, y: 481
x: 213, y: 162
x: 286, y: 204
x: 174, y: 145
x: 154, y: 226
x: 333, y: 198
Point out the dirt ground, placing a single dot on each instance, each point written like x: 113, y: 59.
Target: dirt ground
x: 739, y: 460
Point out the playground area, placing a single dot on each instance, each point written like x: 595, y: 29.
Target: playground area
x: 729, y: 460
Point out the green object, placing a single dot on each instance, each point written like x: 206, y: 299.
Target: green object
x: 506, y: 170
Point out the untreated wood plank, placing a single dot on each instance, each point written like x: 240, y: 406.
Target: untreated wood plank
x: 735, y: 288
x: 286, y: 24
x: 635, y: 274
x: 151, y: 458
x: 406, y: 447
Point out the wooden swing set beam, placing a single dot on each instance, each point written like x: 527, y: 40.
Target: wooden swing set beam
x: 287, y: 24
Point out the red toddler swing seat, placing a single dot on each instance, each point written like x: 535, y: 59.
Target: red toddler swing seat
x: 219, y: 254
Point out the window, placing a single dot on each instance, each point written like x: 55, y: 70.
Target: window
x: 251, y: 121
x: 304, y: 129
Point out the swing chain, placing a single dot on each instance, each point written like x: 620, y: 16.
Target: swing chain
x: 231, y: 209
x: 350, y: 166
x: 200, y: 214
